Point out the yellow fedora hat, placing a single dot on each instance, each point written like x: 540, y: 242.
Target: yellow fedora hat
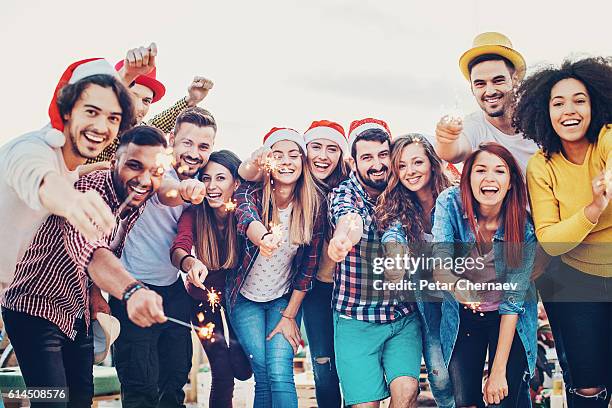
x: 492, y: 43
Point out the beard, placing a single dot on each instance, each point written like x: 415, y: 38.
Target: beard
x: 376, y: 185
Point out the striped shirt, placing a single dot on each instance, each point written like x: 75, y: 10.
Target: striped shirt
x: 354, y: 289
x: 51, y: 280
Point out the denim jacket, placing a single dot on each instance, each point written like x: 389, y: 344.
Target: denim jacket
x: 451, y: 226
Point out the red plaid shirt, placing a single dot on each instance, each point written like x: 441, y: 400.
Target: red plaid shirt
x: 304, y: 267
x: 51, y: 280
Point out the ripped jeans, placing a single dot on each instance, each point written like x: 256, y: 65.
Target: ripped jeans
x: 320, y: 331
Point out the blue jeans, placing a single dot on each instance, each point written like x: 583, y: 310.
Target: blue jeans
x: 437, y: 373
x: 271, y: 360
x: 319, y: 326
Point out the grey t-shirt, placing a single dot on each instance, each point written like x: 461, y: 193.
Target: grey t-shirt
x: 146, y: 254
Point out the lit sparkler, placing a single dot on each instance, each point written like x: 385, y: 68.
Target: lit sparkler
x: 200, y: 317
x: 125, y: 202
x: 277, y: 232
x: 206, y: 332
x: 213, y: 297
x: 270, y: 164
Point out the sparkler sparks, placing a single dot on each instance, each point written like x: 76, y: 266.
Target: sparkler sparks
x: 270, y: 164
x: 277, y: 232
x: 200, y: 317
x: 213, y: 297
x: 206, y: 332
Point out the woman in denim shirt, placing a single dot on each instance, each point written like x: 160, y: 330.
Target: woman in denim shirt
x: 485, y: 219
x: 405, y: 215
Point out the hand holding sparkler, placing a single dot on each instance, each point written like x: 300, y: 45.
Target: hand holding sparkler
x: 192, y: 190
x: 268, y: 244
x: 339, y: 247
x: 196, y: 271
x: 144, y: 308
x: 448, y: 129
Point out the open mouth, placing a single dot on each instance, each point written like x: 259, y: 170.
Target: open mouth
x: 214, y: 196
x: 191, y: 161
x: 414, y: 180
x: 93, y: 137
x: 492, y: 100
x: 378, y: 174
x: 570, y: 123
x: 489, y: 190
x: 321, y: 166
x: 139, y: 191
x: 285, y: 170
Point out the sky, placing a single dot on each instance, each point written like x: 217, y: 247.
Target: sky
x: 286, y: 63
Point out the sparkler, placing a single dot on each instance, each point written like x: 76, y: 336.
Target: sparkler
x: 200, y: 317
x: 277, y: 232
x: 213, y: 297
x: 229, y: 205
x: 206, y: 332
x: 125, y: 202
x: 270, y: 164
x: 179, y: 322
x: 225, y: 326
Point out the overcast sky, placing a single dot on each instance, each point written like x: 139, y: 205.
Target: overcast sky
x: 288, y: 62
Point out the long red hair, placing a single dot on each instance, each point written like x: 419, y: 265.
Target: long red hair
x: 514, y: 206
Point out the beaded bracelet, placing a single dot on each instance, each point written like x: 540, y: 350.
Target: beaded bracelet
x: 130, y: 290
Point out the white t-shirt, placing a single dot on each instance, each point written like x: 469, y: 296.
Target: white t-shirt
x: 478, y: 130
x: 268, y: 279
x: 24, y: 162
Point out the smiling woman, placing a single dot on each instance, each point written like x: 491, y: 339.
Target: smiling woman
x: 568, y: 111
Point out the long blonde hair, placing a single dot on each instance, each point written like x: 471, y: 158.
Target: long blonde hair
x: 305, y: 201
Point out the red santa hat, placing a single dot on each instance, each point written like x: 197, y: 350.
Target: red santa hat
x: 328, y: 130
x: 359, y: 126
x: 277, y: 134
x: 149, y: 80
x: 74, y: 73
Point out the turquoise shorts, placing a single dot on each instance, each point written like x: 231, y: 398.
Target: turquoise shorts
x: 369, y: 356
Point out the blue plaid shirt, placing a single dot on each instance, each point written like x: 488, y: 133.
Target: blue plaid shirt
x: 304, y: 267
x: 354, y: 294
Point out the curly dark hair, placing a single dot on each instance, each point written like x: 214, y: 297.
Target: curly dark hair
x: 532, y: 115
x: 397, y: 203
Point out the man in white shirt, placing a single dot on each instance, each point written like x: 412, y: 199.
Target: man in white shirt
x: 493, y: 68
x: 90, y: 106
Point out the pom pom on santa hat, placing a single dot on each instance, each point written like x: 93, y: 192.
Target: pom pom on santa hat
x: 359, y: 126
x: 277, y: 134
x: 328, y: 130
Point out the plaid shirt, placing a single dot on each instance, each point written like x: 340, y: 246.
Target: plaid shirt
x: 354, y: 294
x: 304, y: 267
x: 51, y: 280
x: 164, y: 121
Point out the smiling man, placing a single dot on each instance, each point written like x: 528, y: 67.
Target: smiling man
x: 49, y: 296
x: 385, y: 326
x: 89, y: 108
x: 494, y: 69
x: 153, y: 363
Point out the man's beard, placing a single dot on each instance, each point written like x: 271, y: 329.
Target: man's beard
x: 376, y: 185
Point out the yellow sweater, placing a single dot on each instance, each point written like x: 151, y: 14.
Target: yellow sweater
x: 559, y: 191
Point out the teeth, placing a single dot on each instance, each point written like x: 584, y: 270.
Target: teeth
x: 492, y: 100
x: 414, y: 180
x: 94, y: 138
x: 321, y: 165
x: 493, y: 189
x: 139, y: 190
x: 215, y: 195
x: 570, y: 122
x: 190, y: 161
x: 285, y: 171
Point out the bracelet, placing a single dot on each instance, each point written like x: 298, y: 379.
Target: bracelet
x: 287, y: 317
x: 182, y: 260
x: 265, y: 235
x: 130, y: 290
